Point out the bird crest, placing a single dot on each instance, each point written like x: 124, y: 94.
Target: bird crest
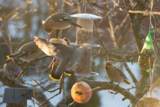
x: 107, y: 64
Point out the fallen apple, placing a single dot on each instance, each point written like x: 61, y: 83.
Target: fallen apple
x: 81, y: 92
x: 56, y: 40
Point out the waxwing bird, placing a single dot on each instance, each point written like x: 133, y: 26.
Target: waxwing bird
x: 56, y: 61
x: 27, y: 52
x: 115, y: 74
x: 68, y: 55
x: 58, y: 21
x: 11, y: 68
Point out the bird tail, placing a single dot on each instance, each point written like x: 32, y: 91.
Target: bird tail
x: 90, y: 45
x: 57, y: 78
x: 67, y: 73
x: 8, y: 56
x: 11, y: 56
x: 128, y: 83
x: 75, y: 24
x: 52, y: 73
x: 15, y: 55
x: 54, y: 78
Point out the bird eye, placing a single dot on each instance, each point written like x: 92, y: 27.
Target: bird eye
x: 68, y: 18
x: 106, y: 64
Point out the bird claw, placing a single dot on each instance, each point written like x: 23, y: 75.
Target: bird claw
x: 111, y: 82
x: 117, y: 85
x: 110, y: 92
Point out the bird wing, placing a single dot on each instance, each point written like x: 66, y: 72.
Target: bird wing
x: 58, y: 16
x: 11, y: 68
x: 48, y: 49
x: 29, y: 48
x: 45, y: 46
x: 75, y: 55
x: 18, y: 53
x: 121, y: 73
x: 81, y: 50
x: 26, y: 49
x: 61, y: 51
x: 23, y: 53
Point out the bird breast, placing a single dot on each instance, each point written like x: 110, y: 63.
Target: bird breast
x: 114, y: 75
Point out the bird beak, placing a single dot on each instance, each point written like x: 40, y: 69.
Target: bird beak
x: 42, y: 22
x: 75, y: 24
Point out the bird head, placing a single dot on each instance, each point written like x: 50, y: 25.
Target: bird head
x: 107, y: 65
x: 68, y: 18
x: 48, y: 30
x: 9, y: 60
x: 45, y: 28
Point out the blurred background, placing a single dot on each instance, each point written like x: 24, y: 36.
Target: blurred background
x: 22, y: 20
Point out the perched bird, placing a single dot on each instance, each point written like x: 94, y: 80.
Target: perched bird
x: 68, y: 55
x: 56, y: 61
x: 115, y: 74
x: 27, y: 52
x: 58, y: 21
x: 11, y: 68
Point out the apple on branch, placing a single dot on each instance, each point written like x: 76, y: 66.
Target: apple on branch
x: 81, y: 92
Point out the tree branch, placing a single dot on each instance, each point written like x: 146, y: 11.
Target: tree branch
x: 8, y: 81
x: 108, y: 85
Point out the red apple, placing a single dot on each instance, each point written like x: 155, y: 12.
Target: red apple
x: 56, y: 40
x: 81, y: 92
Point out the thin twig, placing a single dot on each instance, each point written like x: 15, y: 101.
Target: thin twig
x: 106, y: 15
x: 34, y: 60
x: 143, y: 12
x: 72, y: 104
x: 130, y: 73
x: 106, y: 50
x: 112, y: 28
x: 2, y: 32
x: 45, y: 88
x: 61, y: 84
